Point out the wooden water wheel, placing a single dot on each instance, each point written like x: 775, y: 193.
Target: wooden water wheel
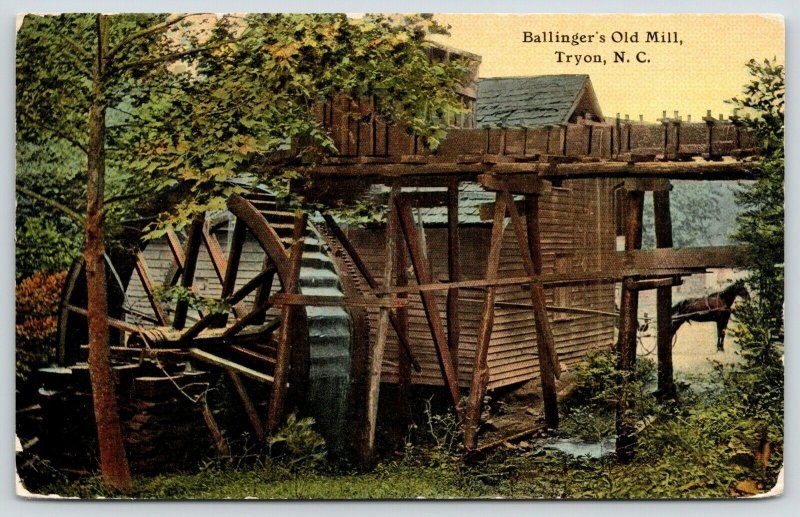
x: 235, y: 327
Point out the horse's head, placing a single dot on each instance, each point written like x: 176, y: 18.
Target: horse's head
x: 740, y: 289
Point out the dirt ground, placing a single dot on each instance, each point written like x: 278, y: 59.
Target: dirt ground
x: 694, y: 348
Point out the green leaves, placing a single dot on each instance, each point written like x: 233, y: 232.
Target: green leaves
x: 196, y: 102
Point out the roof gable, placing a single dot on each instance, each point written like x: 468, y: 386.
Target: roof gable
x: 534, y: 101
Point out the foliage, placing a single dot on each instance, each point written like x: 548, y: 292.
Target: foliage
x: 37, y: 301
x: 45, y: 244
x: 759, y: 381
x: 199, y: 106
x: 702, y: 214
x: 764, y: 97
x: 598, y: 381
x: 47, y: 240
x: 177, y: 293
x: 301, y: 447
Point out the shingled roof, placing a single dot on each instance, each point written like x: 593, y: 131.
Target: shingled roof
x: 535, y: 100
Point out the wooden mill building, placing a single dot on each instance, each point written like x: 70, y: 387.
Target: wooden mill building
x: 577, y: 222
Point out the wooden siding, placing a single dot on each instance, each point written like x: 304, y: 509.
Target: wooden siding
x: 159, y: 261
x: 577, y: 223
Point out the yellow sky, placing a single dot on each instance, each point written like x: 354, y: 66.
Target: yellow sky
x: 692, y: 77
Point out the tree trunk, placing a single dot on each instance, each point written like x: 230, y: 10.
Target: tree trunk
x: 113, y: 462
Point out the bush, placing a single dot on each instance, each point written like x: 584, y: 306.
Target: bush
x: 38, y: 298
x: 45, y: 245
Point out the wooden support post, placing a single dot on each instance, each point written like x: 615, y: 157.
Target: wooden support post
x: 187, y: 277
x: 219, y: 440
x: 480, y: 369
x: 218, y: 260
x: 537, y: 290
x: 376, y: 357
x: 663, y: 231
x: 284, y: 352
x: 429, y: 301
x: 177, y: 254
x: 232, y: 267
x: 545, y: 343
x: 300, y: 353
x: 626, y: 346
x: 403, y: 362
x: 248, y: 405
x: 234, y: 257
x: 454, y: 270
x: 264, y: 289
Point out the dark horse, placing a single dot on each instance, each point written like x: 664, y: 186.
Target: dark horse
x: 714, y: 307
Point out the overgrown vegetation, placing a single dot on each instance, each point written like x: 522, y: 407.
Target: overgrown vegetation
x: 38, y: 297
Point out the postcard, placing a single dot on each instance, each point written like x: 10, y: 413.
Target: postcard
x: 399, y: 256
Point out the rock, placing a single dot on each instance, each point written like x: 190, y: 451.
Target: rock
x: 748, y: 487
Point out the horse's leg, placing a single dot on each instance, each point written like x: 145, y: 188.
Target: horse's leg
x: 722, y: 324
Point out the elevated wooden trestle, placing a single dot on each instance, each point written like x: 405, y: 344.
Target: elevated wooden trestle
x: 511, y: 164
x: 526, y: 162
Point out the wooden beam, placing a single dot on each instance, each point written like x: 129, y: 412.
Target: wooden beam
x: 422, y: 199
x: 282, y: 361
x: 262, y: 231
x: 147, y: 282
x: 516, y: 184
x: 550, y: 308
x: 254, y: 317
x: 403, y: 400
x: 218, y: 260
x: 628, y: 326
x: 187, y: 277
x: 376, y: 358
x: 487, y: 210
x: 693, y: 170
x: 545, y: 342
x: 209, y: 320
x: 264, y: 288
x: 480, y: 368
x: 663, y: 231
x: 234, y: 257
x: 726, y: 169
x: 529, y: 247
x: 647, y: 184
x: 600, y: 277
x: 249, y: 407
x: 213, y: 428
x: 112, y: 322
x: 454, y: 270
x: 231, y: 271
x: 668, y: 258
x: 337, y: 301
x: 300, y: 357
x: 429, y: 302
x: 177, y: 254
x: 221, y: 362
x: 651, y: 283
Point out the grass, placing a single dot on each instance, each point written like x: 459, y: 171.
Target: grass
x: 705, y: 446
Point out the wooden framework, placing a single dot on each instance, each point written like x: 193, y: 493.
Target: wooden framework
x: 507, y: 162
x: 520, y: 162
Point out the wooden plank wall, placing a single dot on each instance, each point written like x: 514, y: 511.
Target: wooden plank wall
x: 577, y: 222
x: 159, y: 261
x: 368, y: 243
